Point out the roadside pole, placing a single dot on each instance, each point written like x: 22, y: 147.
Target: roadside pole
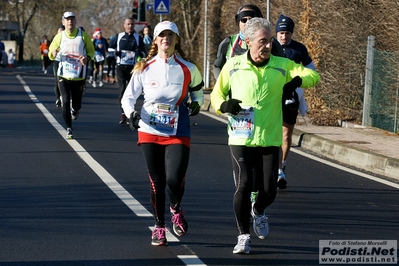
x: 366, y: 121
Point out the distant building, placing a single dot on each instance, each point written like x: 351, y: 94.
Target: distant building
x: 8, y: 32
x: 7, y: 28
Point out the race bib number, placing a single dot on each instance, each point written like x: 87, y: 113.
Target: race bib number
x: 70, y: 66
x: 99, y: 57
x: 128, y: 57
x: 242, y: 124
x: 163, y: 118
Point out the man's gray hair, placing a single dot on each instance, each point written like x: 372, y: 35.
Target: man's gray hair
x: 255, y: 24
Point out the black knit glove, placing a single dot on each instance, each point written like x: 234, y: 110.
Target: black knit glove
x: 134, y: 121
x: 290, y: 87
x: 231, y: 106
x: 194, y: 108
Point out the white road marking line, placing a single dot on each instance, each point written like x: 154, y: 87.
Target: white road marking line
x: 191, y: 260
x: 107, y: 178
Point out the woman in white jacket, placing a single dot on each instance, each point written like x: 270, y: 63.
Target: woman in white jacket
x: 167, y: 81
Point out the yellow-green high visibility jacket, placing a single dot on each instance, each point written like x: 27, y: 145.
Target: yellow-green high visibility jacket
x: 77, y: 43
x: 260, y: 88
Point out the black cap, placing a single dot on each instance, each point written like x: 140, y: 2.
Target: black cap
x: 285, y: 23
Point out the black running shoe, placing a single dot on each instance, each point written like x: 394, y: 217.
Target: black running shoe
x: 124, y: 119
x: 281, y: 181
x: 58, y: 102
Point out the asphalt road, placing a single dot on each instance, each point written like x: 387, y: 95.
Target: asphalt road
x: 86, y: 201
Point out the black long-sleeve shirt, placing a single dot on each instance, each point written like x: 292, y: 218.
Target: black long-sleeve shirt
x: 129, y: 42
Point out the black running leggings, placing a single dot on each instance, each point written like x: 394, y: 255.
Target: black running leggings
x: 123, y: 73
x: 111, y: 62
x: 70, y: 90
x: 56, y: 87
x: 166, y: 165
x: 244, y: 160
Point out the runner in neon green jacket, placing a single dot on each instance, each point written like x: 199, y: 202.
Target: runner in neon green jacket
x: 258, y: 82
x: 262, y: 89
x: 87, y: 49
x: 73, y: 49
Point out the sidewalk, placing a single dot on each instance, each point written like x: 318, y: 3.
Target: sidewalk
x: 371, y: 149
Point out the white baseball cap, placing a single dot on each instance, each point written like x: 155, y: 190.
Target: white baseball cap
x: 68, y: 14
x: 165, y: 25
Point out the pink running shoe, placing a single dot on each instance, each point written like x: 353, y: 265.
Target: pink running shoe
x: 158, y: 237
x: 180, y: 224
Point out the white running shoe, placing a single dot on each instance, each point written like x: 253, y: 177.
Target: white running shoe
x: 69, y: 134
x: 90, y: 79
x: 74, y: 114
x: 100, y: 84
x: 94, y: 84
x: 260, y: 224
x: 243, y: 244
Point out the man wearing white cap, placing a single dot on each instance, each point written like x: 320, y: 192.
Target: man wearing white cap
x: 167, y: 79
x: 75, y: 49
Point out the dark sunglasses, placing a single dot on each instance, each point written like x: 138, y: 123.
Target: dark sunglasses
x: 244, y: 20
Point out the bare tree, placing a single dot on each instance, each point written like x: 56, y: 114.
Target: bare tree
x: 35, y: 18
x: 192, y: 23
x: 104, y: 14
x: 23, y: 12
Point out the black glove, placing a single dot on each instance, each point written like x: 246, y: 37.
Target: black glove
x: 290, y: 87
x: 194, y: 108
x: 134, y: 120
x: 231, y: 106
